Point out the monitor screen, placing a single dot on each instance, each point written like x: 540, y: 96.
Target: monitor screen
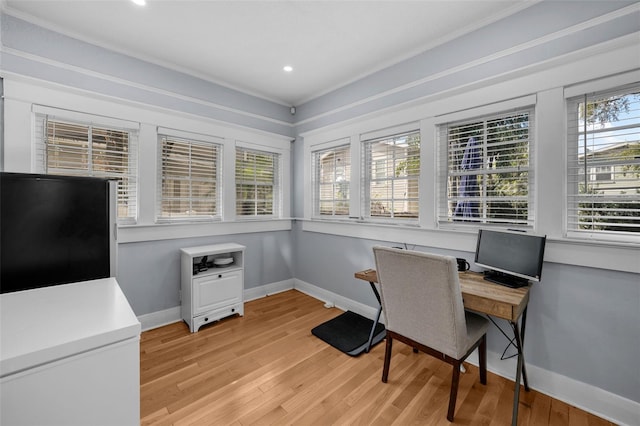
x: 54, y: 230
x: 516, y: 254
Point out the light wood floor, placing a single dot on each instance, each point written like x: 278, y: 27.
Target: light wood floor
x: 267, y: 368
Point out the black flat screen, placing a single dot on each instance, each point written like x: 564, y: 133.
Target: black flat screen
x: 513, y: 253
x: 53, y: 230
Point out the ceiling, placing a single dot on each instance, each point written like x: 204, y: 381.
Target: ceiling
x: 245, y: 44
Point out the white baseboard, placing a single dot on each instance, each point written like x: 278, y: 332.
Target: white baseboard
x: 160, y: 318
x: 599, y: 402
x: 336, y: 300
x: 268, y: 289
x: 604, y: 404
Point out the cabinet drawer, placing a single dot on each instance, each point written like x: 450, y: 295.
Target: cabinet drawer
x: 216, y: 291
x: 216, y: 315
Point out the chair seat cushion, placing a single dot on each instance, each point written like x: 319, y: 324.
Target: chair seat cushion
x: 477, y: 325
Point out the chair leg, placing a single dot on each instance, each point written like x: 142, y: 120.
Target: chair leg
x: 387, y: 358
x: 455, y: 379
x: 482, y: 359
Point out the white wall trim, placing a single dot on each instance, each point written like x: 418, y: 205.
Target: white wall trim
x: 268, y: 289
x: 169, y: 231
x: 159, y: 318
x: 594, y: 62
x: 589, y: 398
x: 151, y: 89
x: 618, y: 257
x: 336, y: 300
x: 604, y: 404
x: 52, y: 94
x: 592, y: 399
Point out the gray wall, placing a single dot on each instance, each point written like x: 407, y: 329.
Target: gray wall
x: 149, y: 272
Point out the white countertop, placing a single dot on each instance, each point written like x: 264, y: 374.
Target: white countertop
x: 50, y: 323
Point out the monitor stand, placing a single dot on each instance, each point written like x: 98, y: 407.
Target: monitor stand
x: 505, y: 279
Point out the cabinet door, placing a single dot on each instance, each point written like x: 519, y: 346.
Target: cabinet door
x: 216, y: 291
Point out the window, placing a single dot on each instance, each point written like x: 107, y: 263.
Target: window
x: 332, y: 176
x: 257, y: 183
x: 189, y: 179
x: 604, y: 163
x: 487, y: 170
x: 392, y: 172
x: 70, y: 147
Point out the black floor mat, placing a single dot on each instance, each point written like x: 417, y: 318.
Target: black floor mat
x: 349, y: 332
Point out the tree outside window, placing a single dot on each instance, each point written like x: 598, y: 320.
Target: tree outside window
x: 494, y: 187
x: 604, y: 162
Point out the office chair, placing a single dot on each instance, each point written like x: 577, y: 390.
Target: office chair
x: 423, y: 307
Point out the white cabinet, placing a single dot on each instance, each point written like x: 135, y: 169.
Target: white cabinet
x: 69, y: 355
x: 212, y: 283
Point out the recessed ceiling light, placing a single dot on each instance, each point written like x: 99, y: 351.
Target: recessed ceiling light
x: 287, y: 68
x: 139, y: 2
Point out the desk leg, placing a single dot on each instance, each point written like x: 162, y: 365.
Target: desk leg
x: 520, y: 370
x: 375, y: 323
x: 521, y: 345
x: 373, y: 329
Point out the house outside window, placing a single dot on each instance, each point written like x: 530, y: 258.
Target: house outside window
x: 488, y: 164
x: 603, y: 167
x: 85, y: 148
x: 332, y: 176
x: 391, y: 176
x: 257, y: 183
x: 189, y: 180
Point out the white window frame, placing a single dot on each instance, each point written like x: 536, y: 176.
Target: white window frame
x: 333, y: 146
x: 278, y: 187
x: 43, y: 114
x: 574, y: 95
x: 370, y: 175
x: 525, y: 104
x: 190, y: 139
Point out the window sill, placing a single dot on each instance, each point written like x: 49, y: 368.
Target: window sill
x: 169, y: 231
x: 594, y: 254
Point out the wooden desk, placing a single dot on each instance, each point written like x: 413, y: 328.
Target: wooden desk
x: 480, y: 295
x: 493, y: 300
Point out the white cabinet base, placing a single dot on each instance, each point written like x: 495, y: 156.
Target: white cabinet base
x: 70, y: 355
x: 83, y: 389
x: 211, y: 291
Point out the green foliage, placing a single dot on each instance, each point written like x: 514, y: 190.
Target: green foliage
x: 410, y: 166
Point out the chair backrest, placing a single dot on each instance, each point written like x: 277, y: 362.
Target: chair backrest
x: 421, y: 298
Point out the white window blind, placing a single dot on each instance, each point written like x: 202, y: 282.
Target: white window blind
x: 603, y: 167
x: 257, y: 183
x: 67, y: 147
x: 189, y: 182
x: 391, y: 176
x: 332, y: 176
x: 486, y: 170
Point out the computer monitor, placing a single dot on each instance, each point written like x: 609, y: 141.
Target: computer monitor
x: 511, y: 258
